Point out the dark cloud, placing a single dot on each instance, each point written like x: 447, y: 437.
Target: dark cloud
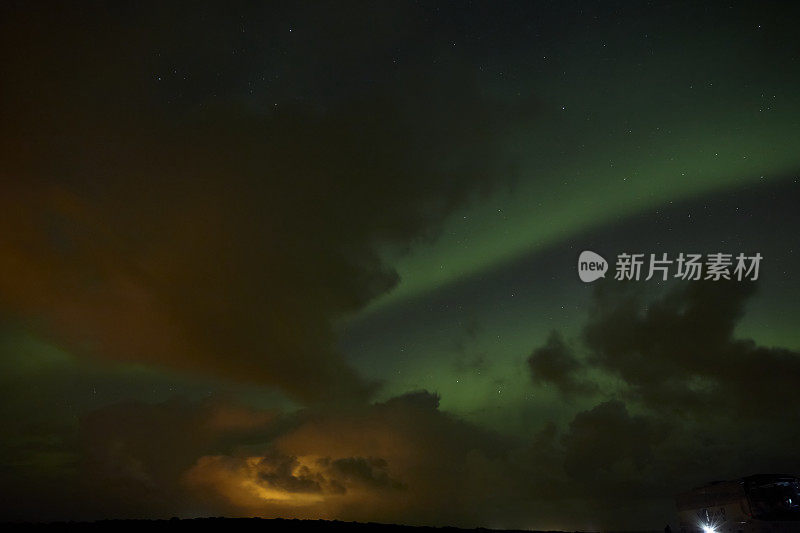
x: 555, y: 363
x: 679, y: 353
x: 217, y: 237
x: 682, y: 400
x: 364, y: 470
x: 279, y: 483
x: 401, y: 460
x: 608, y: 441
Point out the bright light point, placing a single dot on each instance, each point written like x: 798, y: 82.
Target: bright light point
x: 709, y: 529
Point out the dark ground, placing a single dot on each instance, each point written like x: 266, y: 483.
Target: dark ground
x: 239, y: 524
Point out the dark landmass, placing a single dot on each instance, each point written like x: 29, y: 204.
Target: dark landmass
x: 245, y: 524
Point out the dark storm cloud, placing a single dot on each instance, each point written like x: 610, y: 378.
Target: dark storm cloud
x: 608, y: 442
x: 680, y: 353
x: 682, y: 400
x: 212, y: 234
x: 555, y: 363
x: 400, y: 460
x: 123, y: 460
x: 368, y: 471
x: 677, y: 353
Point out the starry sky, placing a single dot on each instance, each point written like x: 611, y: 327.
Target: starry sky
x: 318, y: 259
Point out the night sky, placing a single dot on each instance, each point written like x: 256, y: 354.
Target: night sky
x: 319, y: 260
